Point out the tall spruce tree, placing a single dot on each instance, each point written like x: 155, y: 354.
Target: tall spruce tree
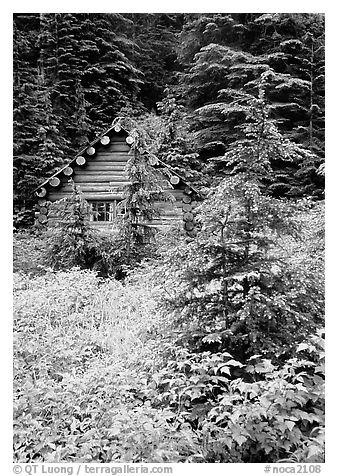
x: 177, y: 147
x: 110, y: 81
x: 218, y: 69
x: 294, y: 45
x: 260, y: 149
x: 234, y: 292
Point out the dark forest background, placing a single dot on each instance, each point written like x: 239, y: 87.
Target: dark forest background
x: 192, y: 80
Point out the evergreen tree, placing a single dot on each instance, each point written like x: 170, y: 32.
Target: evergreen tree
x: 176, y: 145
x: 38, y: 146
x: 72, y: 241
x: 110, y: 81
x: 231, y: 64
x: 234, y: 291
x: 260, y: 150
x: 68, y: 102
x: 218, y: 70
x: 24, y: 82
x: 155, y: 37
x: 202, y: 29
x: 145, y: 188
x: 294, y: 45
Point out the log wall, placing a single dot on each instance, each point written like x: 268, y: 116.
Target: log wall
x: 102, y: 177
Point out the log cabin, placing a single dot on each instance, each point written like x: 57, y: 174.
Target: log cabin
x: 100, y: 171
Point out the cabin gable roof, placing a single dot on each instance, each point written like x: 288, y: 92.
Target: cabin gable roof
x: 88, y: 154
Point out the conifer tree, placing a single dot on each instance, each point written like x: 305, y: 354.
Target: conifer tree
x: 72, y: 241
x: 261, y: 150
x: 155, y: 43
x: 176, y: 146
x: 24, y: 83
x: 144, y: 191
x: 110, y: 80
x: 235, y: 292
x: 221, y: 71
x: 202, y: 29
x: 68, y: 101
x: 294, y: 46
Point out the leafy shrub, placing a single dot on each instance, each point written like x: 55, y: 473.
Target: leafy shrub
x: 28, y: 252
x: 83, y: 350
x: 258, y: 412
x: 22, y: 218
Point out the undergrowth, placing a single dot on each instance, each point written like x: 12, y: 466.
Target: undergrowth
x: 96, y: 379
x: 83, y: 356
x: 103, y: 371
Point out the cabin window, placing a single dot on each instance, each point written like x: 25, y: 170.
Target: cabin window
x: 106, y: 211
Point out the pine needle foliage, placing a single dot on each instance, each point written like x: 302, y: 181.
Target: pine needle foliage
x: 234, y: 290
x: 72, y: 241
x: 261, y: 151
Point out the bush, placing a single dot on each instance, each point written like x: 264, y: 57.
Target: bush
x: 81, y: 350
x: 28, y: 252
x: 258, y: 412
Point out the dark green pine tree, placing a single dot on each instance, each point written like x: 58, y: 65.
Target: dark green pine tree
x: 24, y: 130
x: 53, y: 143
x: 176, y: 146
x: 222, y: 71
x: 80, y: 117
x: 145, y: 189
x: 202, y: 29
x: 260, y: 150
x: 310, y: 52
x: 234, y: 291
x: 294, y: 46
x: 25, y: 56
x: 218, y: 71
x: 110, y: 81
x: 68, y: 102
x: 38, y: 146
x: 71, y: 240
x: 155, y: 44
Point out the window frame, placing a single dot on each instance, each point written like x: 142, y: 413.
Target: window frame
x: 111, y: 212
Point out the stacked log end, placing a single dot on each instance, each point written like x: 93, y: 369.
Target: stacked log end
x: 105, y: 140
x: 68, y: 171
x: 54, y: 181
x: 188, y: 207
x: 80, y: 160
x: 91, y: 150
x: 41, y: 214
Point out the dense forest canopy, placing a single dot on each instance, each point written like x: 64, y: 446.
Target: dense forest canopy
x: 191, y: 79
